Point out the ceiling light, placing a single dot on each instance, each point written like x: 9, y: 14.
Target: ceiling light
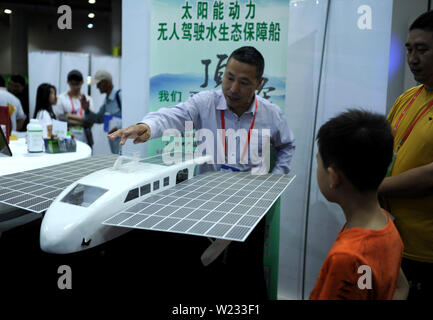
x: 92, y: 1
x: 8, y: 11
x: 91, y: 15
x: 90, y: 25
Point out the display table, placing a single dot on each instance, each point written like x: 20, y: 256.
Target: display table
x: 21, y: 160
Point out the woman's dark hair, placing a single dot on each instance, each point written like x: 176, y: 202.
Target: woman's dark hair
x: 43, y: 99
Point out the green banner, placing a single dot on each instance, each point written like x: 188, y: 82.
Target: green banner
x: 190, y: 44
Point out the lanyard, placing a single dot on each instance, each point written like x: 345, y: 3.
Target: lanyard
x: 72, y: 103
x: 416, y: 120
x: 223, y: 126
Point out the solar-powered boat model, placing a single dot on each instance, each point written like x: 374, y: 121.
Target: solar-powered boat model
x: 95, y: 200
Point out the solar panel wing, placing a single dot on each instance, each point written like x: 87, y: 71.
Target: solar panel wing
x: 223, y: 205
x: 35, y: 190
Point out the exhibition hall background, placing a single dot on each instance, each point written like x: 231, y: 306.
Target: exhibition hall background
x: 337, y: 54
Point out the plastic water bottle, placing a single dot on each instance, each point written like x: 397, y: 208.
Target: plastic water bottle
x: 35, y: 141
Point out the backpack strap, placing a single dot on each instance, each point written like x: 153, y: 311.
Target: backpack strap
x: 119, y: 103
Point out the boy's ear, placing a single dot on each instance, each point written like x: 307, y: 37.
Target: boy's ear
x: 334, y: 177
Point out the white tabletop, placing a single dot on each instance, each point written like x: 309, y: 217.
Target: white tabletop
x: 22, y: 160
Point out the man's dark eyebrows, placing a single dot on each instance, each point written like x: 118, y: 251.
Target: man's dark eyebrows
x: 242, y: 78
x: 416, y: 44
x: 245, y: 79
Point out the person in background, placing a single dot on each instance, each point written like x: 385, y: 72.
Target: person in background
x: 69, y: 108
x: 355, y: 149
x: 408, y: 188
x: 18, y: 87
x: 8, y: 99
x: 45, y: 99
x: 112, y: 107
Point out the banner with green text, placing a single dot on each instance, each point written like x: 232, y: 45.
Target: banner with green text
x: 191, y: 41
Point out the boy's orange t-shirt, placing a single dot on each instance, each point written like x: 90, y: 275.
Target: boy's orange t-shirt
x: 380, y: 250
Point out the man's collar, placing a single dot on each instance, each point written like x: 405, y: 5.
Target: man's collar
x: 112, y: 95
x: 428, y: 88
x: 222, y: 105
x: 69, y: 94
x: 252, y: 106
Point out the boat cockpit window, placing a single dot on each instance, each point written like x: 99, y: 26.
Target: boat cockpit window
x: 166, y: 181
x: 132, y: 194
x: 83, y: 195
x: 182, y: 175
x: 156, y: 185
x: 144, y: 189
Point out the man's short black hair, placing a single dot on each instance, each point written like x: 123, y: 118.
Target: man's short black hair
x: 358, y: 143
x: 2, y: 82
x: 18, y: 79
x: 251, y: 56
x: 75, y: 75
x: 423, y: 22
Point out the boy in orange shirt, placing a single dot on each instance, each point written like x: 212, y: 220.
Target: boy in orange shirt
x: 355, y: 149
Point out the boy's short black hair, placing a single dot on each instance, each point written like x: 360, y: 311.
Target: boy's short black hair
x: 423, y: 22
x: 251, y: 56
x: 75, y: 75
x: 358, y: 143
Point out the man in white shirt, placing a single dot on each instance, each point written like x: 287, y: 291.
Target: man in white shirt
x: 8, y: 99
x: 236, y: 106
x: 69, y: 108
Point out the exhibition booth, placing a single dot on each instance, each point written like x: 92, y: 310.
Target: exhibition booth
x: 321, y: 58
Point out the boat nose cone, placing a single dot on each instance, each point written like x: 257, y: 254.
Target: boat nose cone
x: 59, y: 235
